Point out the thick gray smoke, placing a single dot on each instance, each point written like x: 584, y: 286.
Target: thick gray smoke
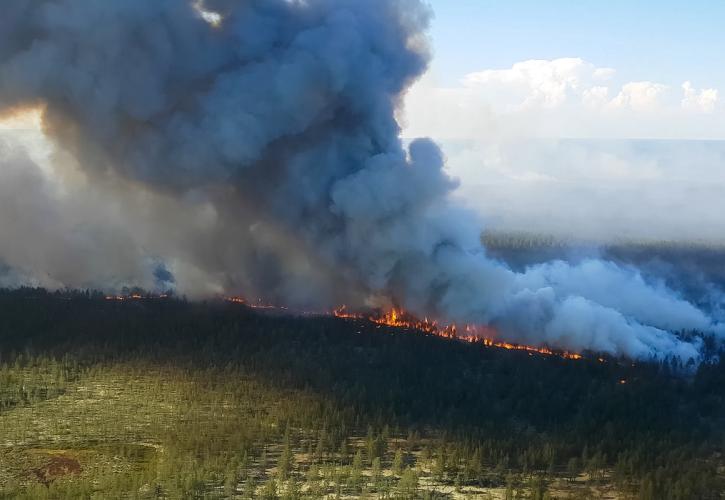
x: 261, y: 155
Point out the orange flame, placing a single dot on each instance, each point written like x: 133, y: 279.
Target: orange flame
x: 485, y: 335
x: 254, y: 305
x: 135, y: 296
x: 398, y: 318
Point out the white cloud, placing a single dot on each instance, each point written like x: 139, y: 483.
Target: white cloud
x: 567, y: 97
x: 705, y: 100
x: 595, y: 97
x: 604, y: 73
x: 640, y: 96
x: 538, y: 82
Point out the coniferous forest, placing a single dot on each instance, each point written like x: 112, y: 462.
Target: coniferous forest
x: 165, y: 398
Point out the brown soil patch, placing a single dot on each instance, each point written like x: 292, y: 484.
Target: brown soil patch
x: 56, y: 467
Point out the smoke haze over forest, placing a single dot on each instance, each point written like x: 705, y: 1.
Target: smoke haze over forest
x: 257, y: 152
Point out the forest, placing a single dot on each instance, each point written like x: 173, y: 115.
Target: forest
x: 168, y: 398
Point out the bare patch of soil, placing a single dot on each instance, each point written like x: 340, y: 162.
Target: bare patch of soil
x: 56, y: 467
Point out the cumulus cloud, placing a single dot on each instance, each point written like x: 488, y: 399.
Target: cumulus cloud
x: 640, y: 96
x: 539, y: 83
x: 704, y: 100
x: 567, y: 97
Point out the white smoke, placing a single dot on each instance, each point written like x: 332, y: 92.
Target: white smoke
x: 260, y: 154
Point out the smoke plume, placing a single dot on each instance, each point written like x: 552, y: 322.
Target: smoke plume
x: 252, y: 147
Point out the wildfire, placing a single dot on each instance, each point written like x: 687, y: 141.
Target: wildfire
x: 398, y: 318
x: 253, y: 305
x: 541, y: 350
x: 342, y: 312
x: 135, y: 296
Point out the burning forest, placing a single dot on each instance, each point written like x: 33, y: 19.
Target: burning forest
x: 215, y: 148
x: 398, y: 318
x: 394, y: 318
x: 255, y: 249
x: 471, y: 334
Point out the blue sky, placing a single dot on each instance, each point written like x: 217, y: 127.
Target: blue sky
x: 590, y: 69
x: 667, y: 41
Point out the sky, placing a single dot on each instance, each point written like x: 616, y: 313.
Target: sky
x: 648, y: 40
x: 596, y: 120
x: 574, y: 69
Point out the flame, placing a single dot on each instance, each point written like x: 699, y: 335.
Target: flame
x: 254, y: 305
x: 398, y: 318
x: 135, y: 296
x: 342, y: 312
x: 474, y: 334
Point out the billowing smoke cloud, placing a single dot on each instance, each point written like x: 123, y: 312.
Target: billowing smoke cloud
x: 261, y: 155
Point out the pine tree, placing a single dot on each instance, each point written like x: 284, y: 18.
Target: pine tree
x: 357, y: 469
x: 408, y: 485
x: 398, y: 462
x: 250, y: 488
x: 377, y: 472
x: 285, y: 462
x: 269, y: 492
